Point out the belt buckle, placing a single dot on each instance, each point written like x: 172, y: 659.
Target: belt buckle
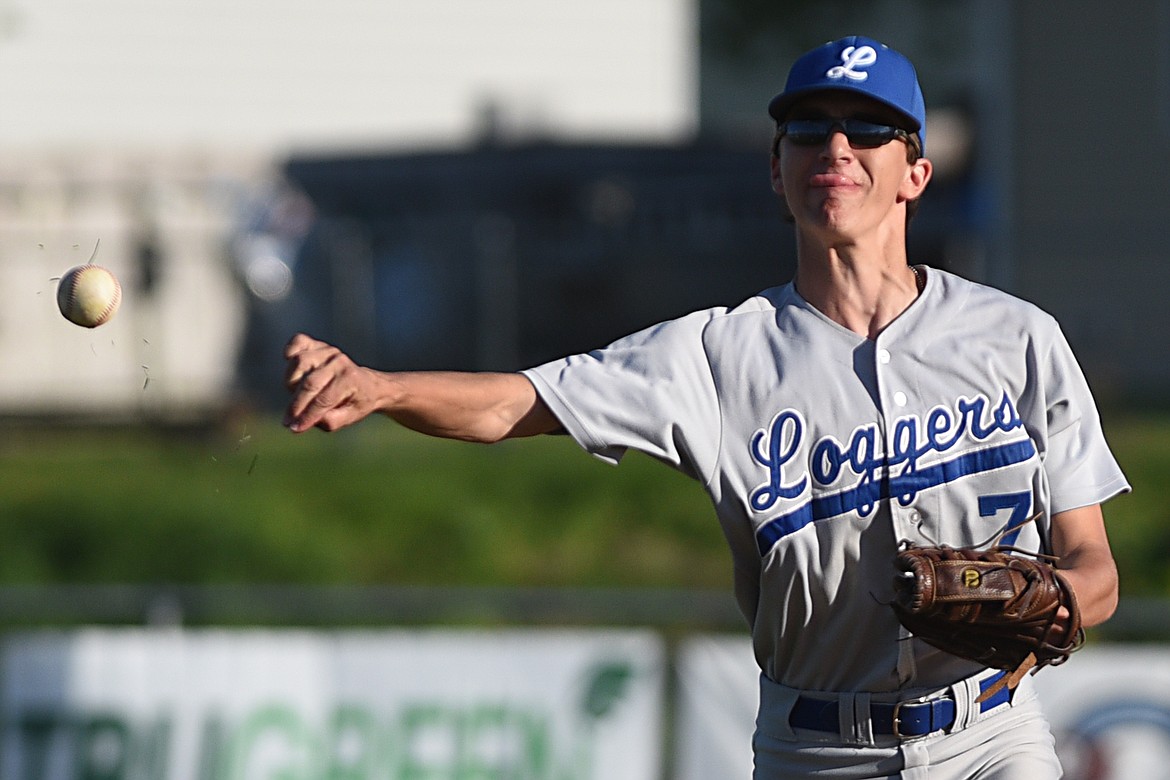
x: 897, y: 718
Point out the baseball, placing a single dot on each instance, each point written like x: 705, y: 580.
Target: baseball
x: 88, y: 295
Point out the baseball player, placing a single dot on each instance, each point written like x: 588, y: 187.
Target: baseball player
x: 866, y: 404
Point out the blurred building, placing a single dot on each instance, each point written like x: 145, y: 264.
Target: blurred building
x: 434, y: 184
x: 504, y: 256
x: 156, y: 134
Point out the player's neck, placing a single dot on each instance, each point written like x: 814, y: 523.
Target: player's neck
x: 859, y: 290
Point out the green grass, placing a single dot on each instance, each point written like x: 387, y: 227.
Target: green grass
x: 375, y: 504
x: 369, y: 505
x: 1139, y: 522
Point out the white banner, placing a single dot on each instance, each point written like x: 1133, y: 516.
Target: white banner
x: 280, y: 705
x: 719, y: 692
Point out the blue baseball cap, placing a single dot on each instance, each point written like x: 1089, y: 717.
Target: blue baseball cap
x: 861, y: 65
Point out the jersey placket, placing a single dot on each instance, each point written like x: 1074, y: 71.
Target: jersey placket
x: 895, y: 400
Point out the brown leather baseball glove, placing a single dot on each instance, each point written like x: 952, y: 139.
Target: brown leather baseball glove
x: 996, y: 607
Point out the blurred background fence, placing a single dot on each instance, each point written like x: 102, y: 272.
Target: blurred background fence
x: 671, y: 610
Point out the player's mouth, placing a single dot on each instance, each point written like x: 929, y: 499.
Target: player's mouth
x: 830, y: 180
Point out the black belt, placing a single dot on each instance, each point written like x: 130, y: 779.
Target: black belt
x: 900, y: 719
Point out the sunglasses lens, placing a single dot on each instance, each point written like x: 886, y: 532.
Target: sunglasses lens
x: 813, y: 132
x: 861, y: 133
x: 807, y: 132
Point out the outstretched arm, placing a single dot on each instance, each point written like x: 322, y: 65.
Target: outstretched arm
x: 330, y: 391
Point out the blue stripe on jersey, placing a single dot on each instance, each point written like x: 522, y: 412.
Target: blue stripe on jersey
x: 903, y: 487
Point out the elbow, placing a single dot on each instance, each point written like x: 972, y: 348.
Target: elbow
x: 1107, y: 606
x: 488, y: 429
x: 492, y: 435
x: 1100, y: 612
x: 1105, y: 598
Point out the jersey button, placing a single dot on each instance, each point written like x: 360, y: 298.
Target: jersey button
x: 900, y: 398
x: 883, y: 356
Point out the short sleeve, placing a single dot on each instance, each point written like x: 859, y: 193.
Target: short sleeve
x: 1081, y: 468
x: 651, y: 392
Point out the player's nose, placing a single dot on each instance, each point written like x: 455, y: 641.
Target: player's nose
x: 836, y: 145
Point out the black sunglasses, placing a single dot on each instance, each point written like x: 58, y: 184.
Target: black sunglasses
x: 861, y: 134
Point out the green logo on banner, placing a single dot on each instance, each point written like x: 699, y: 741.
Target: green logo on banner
x: 420, y: 741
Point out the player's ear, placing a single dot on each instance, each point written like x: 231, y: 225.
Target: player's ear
x: 916, y: 179
x: 777, y: 182
x: 778, y: 188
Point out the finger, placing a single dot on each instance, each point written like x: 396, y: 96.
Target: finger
x: 299, y: 343
x: 301, y: 340
x: 304, y: 358
x: 307, y: 386
x: 293, y: 352
x: 295, y: 370
x: 327, y: 410
x: 1059, y: 630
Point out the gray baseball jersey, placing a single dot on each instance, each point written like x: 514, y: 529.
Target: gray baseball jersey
x: 823, y: 450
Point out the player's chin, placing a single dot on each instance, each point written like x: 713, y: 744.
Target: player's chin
x: 834, y: 203
x: 836, y: 220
